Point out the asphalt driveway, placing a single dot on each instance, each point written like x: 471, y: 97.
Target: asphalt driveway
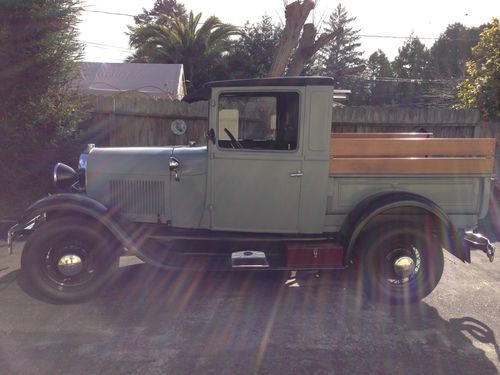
x: 156, y: 322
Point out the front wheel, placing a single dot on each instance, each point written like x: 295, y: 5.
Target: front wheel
x: 401, y: 265
x: 67, y: 260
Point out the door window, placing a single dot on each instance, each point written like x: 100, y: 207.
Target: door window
x: 258, y: 121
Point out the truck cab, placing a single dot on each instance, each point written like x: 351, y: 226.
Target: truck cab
x: 270, y: 156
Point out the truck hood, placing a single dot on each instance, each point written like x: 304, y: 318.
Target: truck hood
x: 153, y: 161
x: 129, y: 160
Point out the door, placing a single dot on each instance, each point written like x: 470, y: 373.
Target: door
x: 256, y: 162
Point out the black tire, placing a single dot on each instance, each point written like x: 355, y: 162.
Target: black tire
x: 41, y: 260
x: 379, y: 253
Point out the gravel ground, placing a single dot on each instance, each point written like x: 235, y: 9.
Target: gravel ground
x: 156, y: 322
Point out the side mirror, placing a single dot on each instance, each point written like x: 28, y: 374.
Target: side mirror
x: 211, y: 135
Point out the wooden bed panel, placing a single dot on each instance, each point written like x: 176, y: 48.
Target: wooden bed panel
x: 380, y: 135
x: 412, y: 147
x: 411, y: 166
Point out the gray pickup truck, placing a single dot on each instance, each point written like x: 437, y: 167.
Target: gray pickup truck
x: 273, y: 189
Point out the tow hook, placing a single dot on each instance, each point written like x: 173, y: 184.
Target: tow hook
x: 480, y: 242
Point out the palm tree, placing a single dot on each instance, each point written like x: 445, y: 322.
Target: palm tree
x: 199, y: 49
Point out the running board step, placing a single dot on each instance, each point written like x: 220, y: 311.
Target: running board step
x: 249, y: 259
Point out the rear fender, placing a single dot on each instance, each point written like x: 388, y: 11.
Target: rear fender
x: 371, y: 207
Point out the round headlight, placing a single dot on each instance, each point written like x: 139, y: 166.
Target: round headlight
x: 64, y: 175
x: 82, y: 168
x: 82, y: 162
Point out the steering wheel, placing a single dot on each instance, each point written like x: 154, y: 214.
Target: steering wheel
x: 234, y: 141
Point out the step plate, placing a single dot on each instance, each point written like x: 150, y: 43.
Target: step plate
x: 249, y: 259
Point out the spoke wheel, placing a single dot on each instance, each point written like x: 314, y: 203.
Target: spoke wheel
x: 402, y: 265
x: 67, y: 261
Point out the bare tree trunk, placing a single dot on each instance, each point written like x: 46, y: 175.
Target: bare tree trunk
x: 296, y: 14
x: 308, y: 47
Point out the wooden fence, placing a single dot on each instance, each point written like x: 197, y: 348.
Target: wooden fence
x: 443, y: 123
x: 143, y: 121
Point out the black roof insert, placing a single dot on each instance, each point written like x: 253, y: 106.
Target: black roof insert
x: 274, y: 81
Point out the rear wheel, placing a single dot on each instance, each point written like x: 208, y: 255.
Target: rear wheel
x: 401, y: 265
x: 68, y: 260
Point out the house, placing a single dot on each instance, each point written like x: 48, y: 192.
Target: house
x: 108, y: 79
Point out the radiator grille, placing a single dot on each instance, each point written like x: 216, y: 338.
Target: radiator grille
x: 138, y: 197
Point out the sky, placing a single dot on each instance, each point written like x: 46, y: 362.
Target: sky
x: 105, y: 39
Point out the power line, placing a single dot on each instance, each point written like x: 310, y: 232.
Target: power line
x: 361, y: 35
x: 96, y: 44
x: 398, y: 37
x: 409, y: 80
x: 110, y: 13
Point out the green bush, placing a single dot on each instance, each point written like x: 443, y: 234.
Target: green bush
x: 39, y: 111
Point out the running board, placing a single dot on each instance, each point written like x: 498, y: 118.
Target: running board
x: 204, y: 235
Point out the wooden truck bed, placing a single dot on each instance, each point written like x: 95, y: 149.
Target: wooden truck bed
x: 381, y: 154
x: 454, y: 173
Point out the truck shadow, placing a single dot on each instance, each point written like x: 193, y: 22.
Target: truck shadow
x: 324, y: 324
x: 255, y: 323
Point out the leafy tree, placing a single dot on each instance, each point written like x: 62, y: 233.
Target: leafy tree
x: 481, y: 89
x: 252, y: 56
x: 380, y: 75
x: 200, y: 47
x: 39, y: 56
x: 164, y: 11
x: 452, y: 50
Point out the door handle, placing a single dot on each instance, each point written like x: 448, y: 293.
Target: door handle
x: 296, y: 174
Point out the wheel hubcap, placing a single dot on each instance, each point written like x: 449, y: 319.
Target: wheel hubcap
x: 404, y: 266
x: 70, y: 265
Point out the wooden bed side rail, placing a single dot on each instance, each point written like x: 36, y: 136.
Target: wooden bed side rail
x: 412, y: 156
x: 380, y: 135
x: 411, y: 147
x: 446, y: 166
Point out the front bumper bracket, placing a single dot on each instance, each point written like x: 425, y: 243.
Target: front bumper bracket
x: 22, y: 229
x: 477, y: 241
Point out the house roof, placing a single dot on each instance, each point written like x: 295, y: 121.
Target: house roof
x: 113, y: 78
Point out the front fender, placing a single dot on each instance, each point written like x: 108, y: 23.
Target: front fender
x: 377, y: 204
x: 72, y: 204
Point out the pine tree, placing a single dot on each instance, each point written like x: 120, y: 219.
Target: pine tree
x: 163, y: 12
x: 342, y: 58
x: 380, y: 75
x: 411, y: 67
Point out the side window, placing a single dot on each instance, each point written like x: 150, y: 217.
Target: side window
x: 259, y: 121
